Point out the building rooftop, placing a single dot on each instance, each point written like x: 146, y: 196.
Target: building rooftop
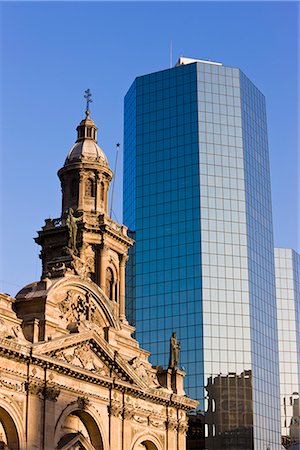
x: 183, y: 61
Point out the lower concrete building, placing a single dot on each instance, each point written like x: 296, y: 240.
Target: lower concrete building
x: 72, y: 376
x: 287, y: 269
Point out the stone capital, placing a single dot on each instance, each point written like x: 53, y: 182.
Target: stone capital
x: 172, y: 424
x: 183, y: 427
x: 123, y: 260
x: 51, y: 392
x: 128, y: 412
x: 115, y: 409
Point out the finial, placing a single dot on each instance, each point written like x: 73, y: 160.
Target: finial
x: 87, y: 95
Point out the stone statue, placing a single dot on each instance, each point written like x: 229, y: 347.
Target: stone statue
x: 174, y: 351
x: 71, y: 223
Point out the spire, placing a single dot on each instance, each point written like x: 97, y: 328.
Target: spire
x: 87, y: 128
x: 87, y: 95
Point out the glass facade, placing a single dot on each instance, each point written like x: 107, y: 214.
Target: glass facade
x: 197, y: 198
x: 287, y: 270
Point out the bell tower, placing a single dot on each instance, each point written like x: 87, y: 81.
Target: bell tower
x: 84, y: 240
x: 86, y: 175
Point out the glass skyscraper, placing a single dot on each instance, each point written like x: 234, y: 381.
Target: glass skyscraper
x: 287, y: 270
x: 197, y: 199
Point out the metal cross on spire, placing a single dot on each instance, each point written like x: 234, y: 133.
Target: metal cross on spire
x: 87, y: 95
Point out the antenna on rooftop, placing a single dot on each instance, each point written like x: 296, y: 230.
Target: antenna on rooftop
x: 171, y: 51
x: 113, y: 181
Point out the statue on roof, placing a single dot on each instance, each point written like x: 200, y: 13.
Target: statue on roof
x: 71, y: 223
x: 174, y: 351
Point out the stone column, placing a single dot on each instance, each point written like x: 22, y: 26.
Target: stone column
x: 182, y: 431
x: 122, y: 265
x: 81, y: 191
x: 172, y: 434
x: 51, y: 393
x: 34, y: 416
x: 97, y: 193
x: 115, y: 418
x: 102, y: 267
x: 172, y: 429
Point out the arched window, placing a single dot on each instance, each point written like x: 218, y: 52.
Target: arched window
x: 109, y: 283
x: 89, y: 188
x: 9, y: 438
x: 81, y: 431
x: 102, y: 191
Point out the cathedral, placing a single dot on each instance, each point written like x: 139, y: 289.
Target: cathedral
x: 72, y: 376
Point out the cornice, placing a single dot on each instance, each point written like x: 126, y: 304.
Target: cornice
x: 21, y: 353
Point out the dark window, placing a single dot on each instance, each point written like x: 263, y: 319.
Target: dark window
x: 89, y: 188
x: 109, y: 283
x: 102, y: 191
x: 74, y: 188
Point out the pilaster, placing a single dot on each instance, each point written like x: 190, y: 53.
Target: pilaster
x: 122, y: 265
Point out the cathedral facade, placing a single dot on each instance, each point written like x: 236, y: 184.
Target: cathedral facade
x: 72, y: 376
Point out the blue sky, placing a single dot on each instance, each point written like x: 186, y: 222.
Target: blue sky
x: 52, y: 51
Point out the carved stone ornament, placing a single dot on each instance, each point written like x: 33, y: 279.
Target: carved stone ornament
x: 77, y: 309
x: 115, y: 409
x: 8, y: 331
x: 172, y: 424
x: 139, y: 368
x: 128, y: 412
x: 152, y: 378
x: 82, y: 266
x: 51, y: 392
x: 17, y: 387
x: 56, y: 269
x: 140, y: 419
x: 183, y: 427
x: 82, y: 356
x: 83, y: 402
x: 156, y: 422
x: 34, y: 388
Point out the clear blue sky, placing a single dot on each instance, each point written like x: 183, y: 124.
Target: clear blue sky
x: 51, y: 52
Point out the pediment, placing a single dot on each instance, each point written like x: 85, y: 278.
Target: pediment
x: 74, y: 441
x: 89, y: 352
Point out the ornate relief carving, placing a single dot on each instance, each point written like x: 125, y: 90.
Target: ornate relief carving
x: 56, y: 269
x: 83, y: 402
x: 128, y: 412
x: 78, y: 310
x: 140, y: 419
x: 8, y: 331
x: 149, y: 376
x: 152, y: 378
x: 156, y: 422
x: 17, y: 387
x: 115, y: 409
x: 183, y: 427
x: 34, y: 388
x: 82, y: 356
x: 51, y: 392
x: 139, y: 368
x: 82, y: 266
x: 172, y: 424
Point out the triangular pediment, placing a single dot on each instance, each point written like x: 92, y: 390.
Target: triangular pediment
x: 74, y: 441
x: 89, y: 352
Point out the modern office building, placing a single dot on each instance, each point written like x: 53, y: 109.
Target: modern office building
x: 287, y: 270
x: 197, y: 199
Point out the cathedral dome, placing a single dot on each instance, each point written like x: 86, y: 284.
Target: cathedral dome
x: 87, y: 149
x: 86, y: 146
